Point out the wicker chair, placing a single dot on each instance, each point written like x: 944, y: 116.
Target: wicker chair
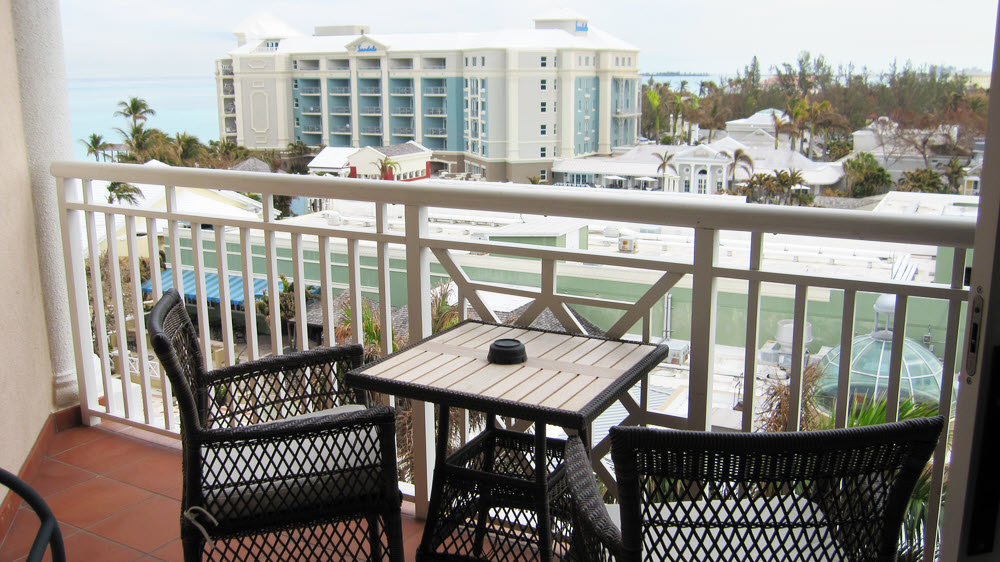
x: 820, y: 495
x: 48, y: 534
x: 280, y: 460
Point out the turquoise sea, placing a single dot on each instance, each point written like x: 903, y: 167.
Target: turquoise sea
x: 182, y: 104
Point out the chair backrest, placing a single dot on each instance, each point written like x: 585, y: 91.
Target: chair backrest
x: 815, y: 495
x: 176, y: 345
x: 48, y: 534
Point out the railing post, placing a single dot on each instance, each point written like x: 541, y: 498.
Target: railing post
x: 418, y: 281
x: 703, y: 300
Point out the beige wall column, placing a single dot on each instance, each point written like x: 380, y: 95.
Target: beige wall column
x: 45, y: 110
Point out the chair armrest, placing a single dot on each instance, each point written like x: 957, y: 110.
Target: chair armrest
x: 282, y: 386
x: 595, y: 535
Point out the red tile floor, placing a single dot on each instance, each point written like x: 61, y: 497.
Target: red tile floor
x: 116, y: 493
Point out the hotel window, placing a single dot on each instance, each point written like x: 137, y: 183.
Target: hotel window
x: 541, y: 130
x: 544, y: 62
x: 687, y: 186
x: 718, y: 186
x: 554, y: 125
x: 543, y: 107
x: 482, y: 83
x: 473, y: 61
x: 296, y: 121
x: 541, y: 152
x: 482, y: 61
x: 702, y: 185
x: 542, y: 175
x: 295, y: 103
x: 295, y: 83
x: 586, y: 61
x: 295, y: 65
x: 467, y: 82
x: 466, y: 63
x: 543, y: 84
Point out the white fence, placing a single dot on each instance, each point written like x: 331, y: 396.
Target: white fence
x: 409, y: 238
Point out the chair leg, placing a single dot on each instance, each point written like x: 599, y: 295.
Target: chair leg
x: 394, y: 533
x: 374, y: 540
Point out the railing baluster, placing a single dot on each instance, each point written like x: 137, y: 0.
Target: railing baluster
x: 156, y: 290
x: 896, y: 360
x: 225, y: 298
x: 797, y: 374
x: 111, y: 229
x: 97, y: 296
x: 418, y: 297
x: 384, y: 290
x: 325, y: 292
x: 354, y: 290
x: 72, y: 225
x: 249, y: 295
x: 752, y: 331
x: 703, y: 300
x: 273, y: 282
x: 201, y: 294
x: 137, y: 319
x: 299, y: 276
x: 846, y: 353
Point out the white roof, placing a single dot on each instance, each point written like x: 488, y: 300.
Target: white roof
x: 912, y: 203
x: 558, y: 14
x: 333, y: 157
x: 544, y: 226
x: 501, y: 39
x: 762, y: 118
x: 263, y: 25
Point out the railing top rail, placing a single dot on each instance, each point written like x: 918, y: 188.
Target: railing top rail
x: 634, y: 206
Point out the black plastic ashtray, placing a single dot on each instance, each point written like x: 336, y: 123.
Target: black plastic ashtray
x: 506, y: 352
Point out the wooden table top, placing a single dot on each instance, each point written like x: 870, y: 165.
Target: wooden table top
x: 566, y: 380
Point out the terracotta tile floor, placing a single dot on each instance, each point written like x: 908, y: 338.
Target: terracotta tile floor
x: 116, y: 493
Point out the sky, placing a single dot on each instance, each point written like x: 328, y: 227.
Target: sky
x: 146, y: 38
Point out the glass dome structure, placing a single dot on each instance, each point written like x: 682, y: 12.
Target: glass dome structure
x: 870, y: 356
x: 920, y: 377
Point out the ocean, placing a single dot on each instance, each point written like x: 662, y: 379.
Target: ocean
x: 182, y: 104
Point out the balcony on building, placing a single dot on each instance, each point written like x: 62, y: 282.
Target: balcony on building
x: 312, y: 110
x: 688, y: 272
x: 311, y: 91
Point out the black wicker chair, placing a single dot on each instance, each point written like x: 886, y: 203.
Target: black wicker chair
x: 818, y: 495
x: 48, y: 534
x: 280, y: 460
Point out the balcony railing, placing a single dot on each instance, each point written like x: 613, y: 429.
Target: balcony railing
x: 434, y: 111
x: 312, y: 109
x: 311, y: 91
x: 373, y: 91
x: 401, y: 91
x: 340, y: 90
x: 311, y: 128
x: 371, y: 130
x: 436, y: 132
x: 762, y: 253
x: 340, y: 110
x: 371, y: 110
x: 436, y: 91
x: 403, y: 131
x: 403, y: 111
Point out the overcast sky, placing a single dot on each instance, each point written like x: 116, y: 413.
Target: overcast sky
x: 148, y: 38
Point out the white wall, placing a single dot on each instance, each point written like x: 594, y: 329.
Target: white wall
x: 26, y: 376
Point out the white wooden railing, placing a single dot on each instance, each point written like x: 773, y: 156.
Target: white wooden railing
x: 410, y: 237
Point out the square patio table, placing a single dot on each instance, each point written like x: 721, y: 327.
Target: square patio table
x: 567, y: 381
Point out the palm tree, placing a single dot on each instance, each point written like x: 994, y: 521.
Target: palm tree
x: 782, y: 126
x: 740, y: 159
x: 135, y: 109
x: 139, y: 140
x: 690, y: 112
x: 654, y: 103
x: 95, y: 146
x: 815, y: 113
x: 188, y: 148
x: 384, y: 166
x: 122, y: 192
x: 785, y: 181
x: 666, y: 161
x: 953, y: 173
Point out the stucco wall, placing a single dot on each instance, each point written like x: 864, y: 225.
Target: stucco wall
x: 26, y: 374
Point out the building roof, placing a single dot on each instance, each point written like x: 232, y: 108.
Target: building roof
x: 333, y: 157
x: 252, y: 165
x: 506, y: 39
x: 762, y: 118
x: 409, y: 147
x: 263, y: 25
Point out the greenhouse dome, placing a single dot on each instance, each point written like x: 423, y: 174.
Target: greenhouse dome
x: 871, y: 353
x: 921, y: 374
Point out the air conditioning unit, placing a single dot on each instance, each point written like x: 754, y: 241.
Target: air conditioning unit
x: 627, y: 245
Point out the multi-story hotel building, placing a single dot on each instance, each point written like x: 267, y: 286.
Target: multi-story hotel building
x: 500, y: 105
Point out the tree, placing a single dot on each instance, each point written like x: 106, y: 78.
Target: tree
x: 953, y: 174
x: 740, y: 159
x: 140, y: 141
x: 386, y: 166
x: 95, y: 146
x: 122, y: 192
x: 865, y: 176
x: 135, y: 109
x: 783, y: 125
x: 653, y: 97
x: 666, y: 161
x: 690, y: 113
x: 923, y: 180
x: 785, y: 181
x: 188, y: 148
